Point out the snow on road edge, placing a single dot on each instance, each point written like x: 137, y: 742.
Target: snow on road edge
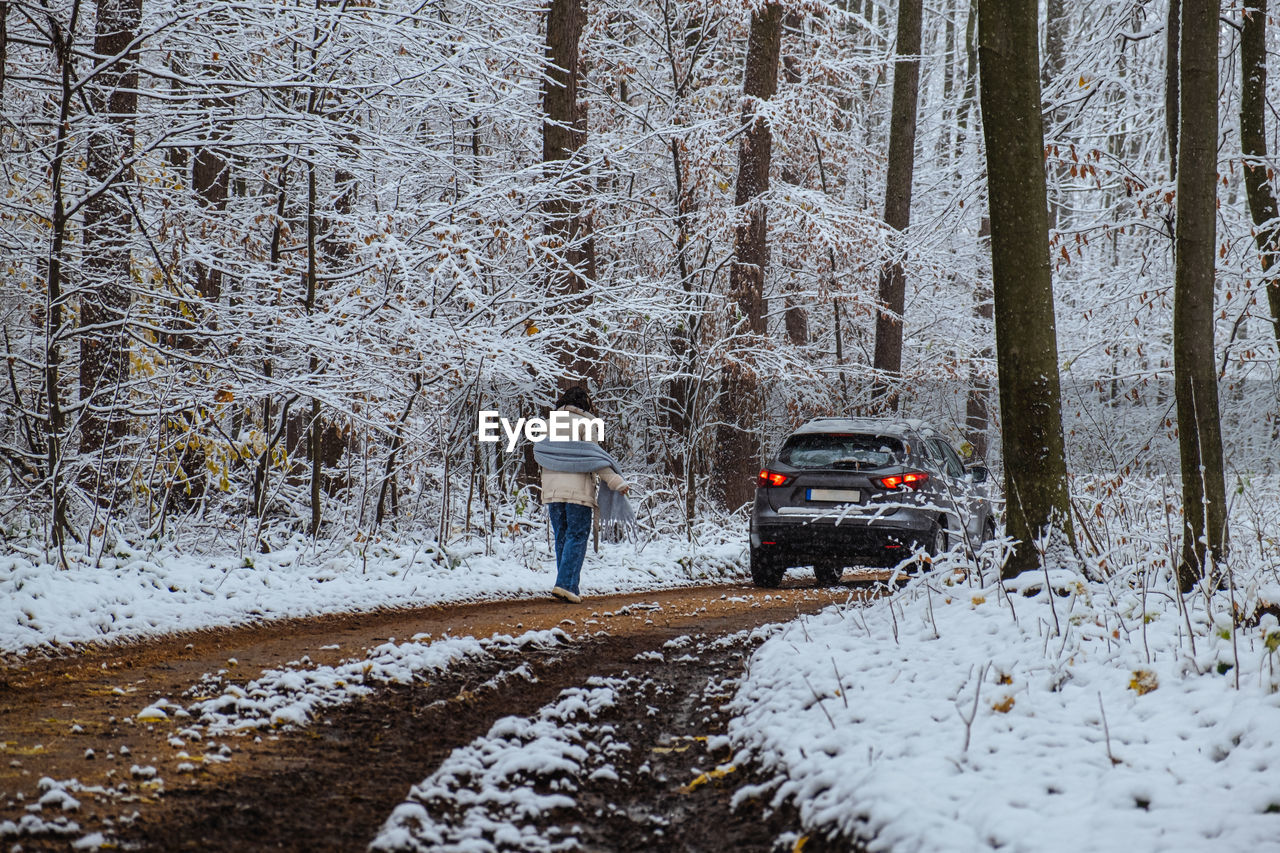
x: 136, y: 595
x: 863, y: 714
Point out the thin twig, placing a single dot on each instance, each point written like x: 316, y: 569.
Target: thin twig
x: 973, y: 712
x: 929, y: 594
x: 1106, y: 730
x: 818, y: 699
x: 839, y: 681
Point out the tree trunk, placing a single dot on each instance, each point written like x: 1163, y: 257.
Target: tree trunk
x: 970, y: 76
x: 311, y: 280
x: 1204, y: 533
x: 978, y: 403
x: 835, y: 288
x: 948, y: 61
x: 210, y: 178
x: 1026, y: 335
x: 679, y: 400
x: 737, y: 437
x: 210, y: 175
x: 1172, y: 26
x: 795, y: 317
x: 4, y: 43
x: 55, y: 324
x: 897, y: 206
x: 104, y: 307
x: 314, y: 449
x: 564, y: 132
x: 1055, y: 38
x: 1253, y: 143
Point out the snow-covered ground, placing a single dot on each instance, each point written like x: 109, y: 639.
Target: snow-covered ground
x: 133, y: 594
x: 291, y: 695
x: 490, y: 782
x: 964, y: 718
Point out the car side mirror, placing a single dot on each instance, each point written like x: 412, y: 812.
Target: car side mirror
x: 979, y: 473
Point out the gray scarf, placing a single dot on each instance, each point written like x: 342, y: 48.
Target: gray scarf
x: 585, y: 457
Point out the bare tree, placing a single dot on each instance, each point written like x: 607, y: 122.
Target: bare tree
x: 737, y: 438
x: 104, y: 307
x: 54, y: 309
x: 1253, y: 142
x: 897, y: 202
x: 564, y: 132
x: 332, y: 234
x: 1173, y: 24
x: 1055, y: 37
x: 4, y: 42
x: 796, y: 319
x: 1026, y: 331
x: 978, y: 400
x: 211, y: 180
x: 1056, y: 25
x: 1204, y: 504
x: 969, y: 95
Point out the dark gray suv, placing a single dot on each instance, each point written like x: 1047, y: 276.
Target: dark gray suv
x: 864, y: 491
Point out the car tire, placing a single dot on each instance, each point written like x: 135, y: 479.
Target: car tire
x: 766, y: 571
x: 935, y: 544
x: 828, y: 574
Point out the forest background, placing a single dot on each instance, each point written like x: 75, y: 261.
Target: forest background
x: 264, y: 261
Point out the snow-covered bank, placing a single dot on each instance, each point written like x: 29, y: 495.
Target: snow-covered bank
x: 293, y: 695
x: 491, y: 779
x: 944, y: 719
x: 134, y: 594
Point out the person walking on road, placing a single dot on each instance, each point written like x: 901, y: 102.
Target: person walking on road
x: 577, y: 478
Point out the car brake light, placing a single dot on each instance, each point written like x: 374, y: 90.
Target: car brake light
x: 772, y: 478
x: 910, y: 480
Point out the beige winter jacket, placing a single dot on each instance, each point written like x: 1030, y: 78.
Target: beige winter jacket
x: 567, y: 487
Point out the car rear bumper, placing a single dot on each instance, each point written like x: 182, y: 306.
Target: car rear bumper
x: 882, y: 540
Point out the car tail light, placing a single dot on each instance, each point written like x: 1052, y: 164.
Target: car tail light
x: 769, y: 478
x: 909, y: 480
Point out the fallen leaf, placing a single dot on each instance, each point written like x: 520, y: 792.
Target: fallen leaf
x: 1143, y: 681
x: 719, y: 773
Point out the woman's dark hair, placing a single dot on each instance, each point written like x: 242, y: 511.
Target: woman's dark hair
x: 576, y: 397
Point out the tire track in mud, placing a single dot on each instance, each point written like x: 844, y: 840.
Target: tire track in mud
x: 331, y: 785
x: 344, y: 774
x: 334, y: 789
x: 640, y: 762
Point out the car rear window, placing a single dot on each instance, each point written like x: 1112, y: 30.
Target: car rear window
x: 839, y: 450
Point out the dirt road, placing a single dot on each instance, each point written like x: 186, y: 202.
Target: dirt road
x: 81, y: 762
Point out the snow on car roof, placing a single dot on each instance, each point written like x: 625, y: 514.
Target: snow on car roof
x: 877, y: 426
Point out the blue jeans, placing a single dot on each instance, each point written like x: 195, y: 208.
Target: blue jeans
x: 572, y: 525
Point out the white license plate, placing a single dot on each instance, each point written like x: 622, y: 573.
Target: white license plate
x: 844, y: 496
